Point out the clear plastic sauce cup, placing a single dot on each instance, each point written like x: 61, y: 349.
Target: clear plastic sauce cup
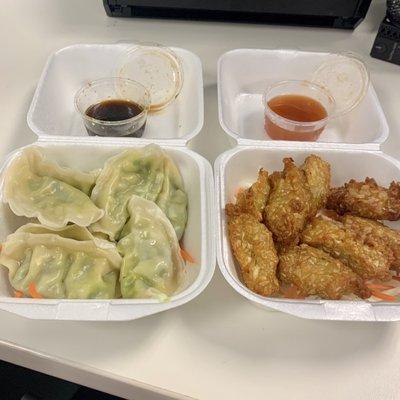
x: 296, y: 110
x: 105, y: 91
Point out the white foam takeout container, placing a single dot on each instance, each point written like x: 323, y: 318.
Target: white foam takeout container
x: 239, y: 168
x: 242, y: 75
x: 58, y: 135
x: 52, y: 111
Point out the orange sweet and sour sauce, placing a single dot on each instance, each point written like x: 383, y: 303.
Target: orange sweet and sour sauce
x: 295, y: 108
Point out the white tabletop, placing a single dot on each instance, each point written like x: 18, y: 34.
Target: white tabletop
x: 219, y: 346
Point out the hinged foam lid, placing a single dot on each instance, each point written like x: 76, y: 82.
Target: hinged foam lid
x: 157, y: 68
x: 243, y: 74
x: 346, y: 78
x: 52, y: 115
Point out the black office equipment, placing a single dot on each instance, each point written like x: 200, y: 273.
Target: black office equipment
x: 387, y: 43
x: 329, y: 13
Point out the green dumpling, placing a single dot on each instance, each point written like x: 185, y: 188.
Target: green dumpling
x: 34, y: 188
x: 151, y: 266
x: 68, y: 263
x: 146, y: 172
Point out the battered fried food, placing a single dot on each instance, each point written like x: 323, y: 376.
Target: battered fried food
x: 339, y: 249
x: 318, y: 175
x: 376, y: 231
x: 288, y: 206
x: 368, y: 260
x: 254, y: 250
x: 315, y: 272
x: 366, y: 199
x: 252, y: 200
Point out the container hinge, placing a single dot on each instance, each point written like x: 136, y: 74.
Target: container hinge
x: 112, y: 141
x: 308, y: 145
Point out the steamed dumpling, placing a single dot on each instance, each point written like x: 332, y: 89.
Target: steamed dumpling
x: 146, y: 172
x: 70, y: 231
x: 172, y: 198
x: 59, y: 265
x: 84, y: 181
x: 136, y: 171
x: 152, y: 266
x: 37, y: 188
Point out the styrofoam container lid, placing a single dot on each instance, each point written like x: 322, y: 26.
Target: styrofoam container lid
x: 346, y: 78
x: 52, y: 113
x: 157, y: 68
x: 243, y: 74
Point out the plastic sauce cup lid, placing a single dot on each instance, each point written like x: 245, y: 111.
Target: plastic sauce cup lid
x: 157, y: 68
x: 346, y: 78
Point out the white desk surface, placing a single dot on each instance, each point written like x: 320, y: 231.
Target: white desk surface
x: 219, y: 346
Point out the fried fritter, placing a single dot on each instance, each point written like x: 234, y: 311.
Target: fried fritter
x: 366, y: 199
x: 252, y: 200
x: 368, y: 260
x: 370, y: 230
x: 254, y: 250
x: 315, y: 272
x: 318, y: 175
x: 288, y: 206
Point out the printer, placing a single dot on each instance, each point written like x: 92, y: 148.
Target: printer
x: 330, y: 13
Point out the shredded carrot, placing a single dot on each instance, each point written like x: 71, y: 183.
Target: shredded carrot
x: 18, y: 294
x: 239, y: 190
x: 292, y: 293
x: 187, y: 257
x: 379, y: 286
x: 383, y: 296
x: 33, y: 292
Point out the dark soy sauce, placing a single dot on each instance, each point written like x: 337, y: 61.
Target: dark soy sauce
x: 115, y: 110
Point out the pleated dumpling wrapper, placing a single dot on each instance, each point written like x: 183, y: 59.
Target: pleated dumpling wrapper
x: 147, y: 172
x: 152, y: 266
x: 61, y: 263
x: 172, y: 198
x: 35, y: 187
